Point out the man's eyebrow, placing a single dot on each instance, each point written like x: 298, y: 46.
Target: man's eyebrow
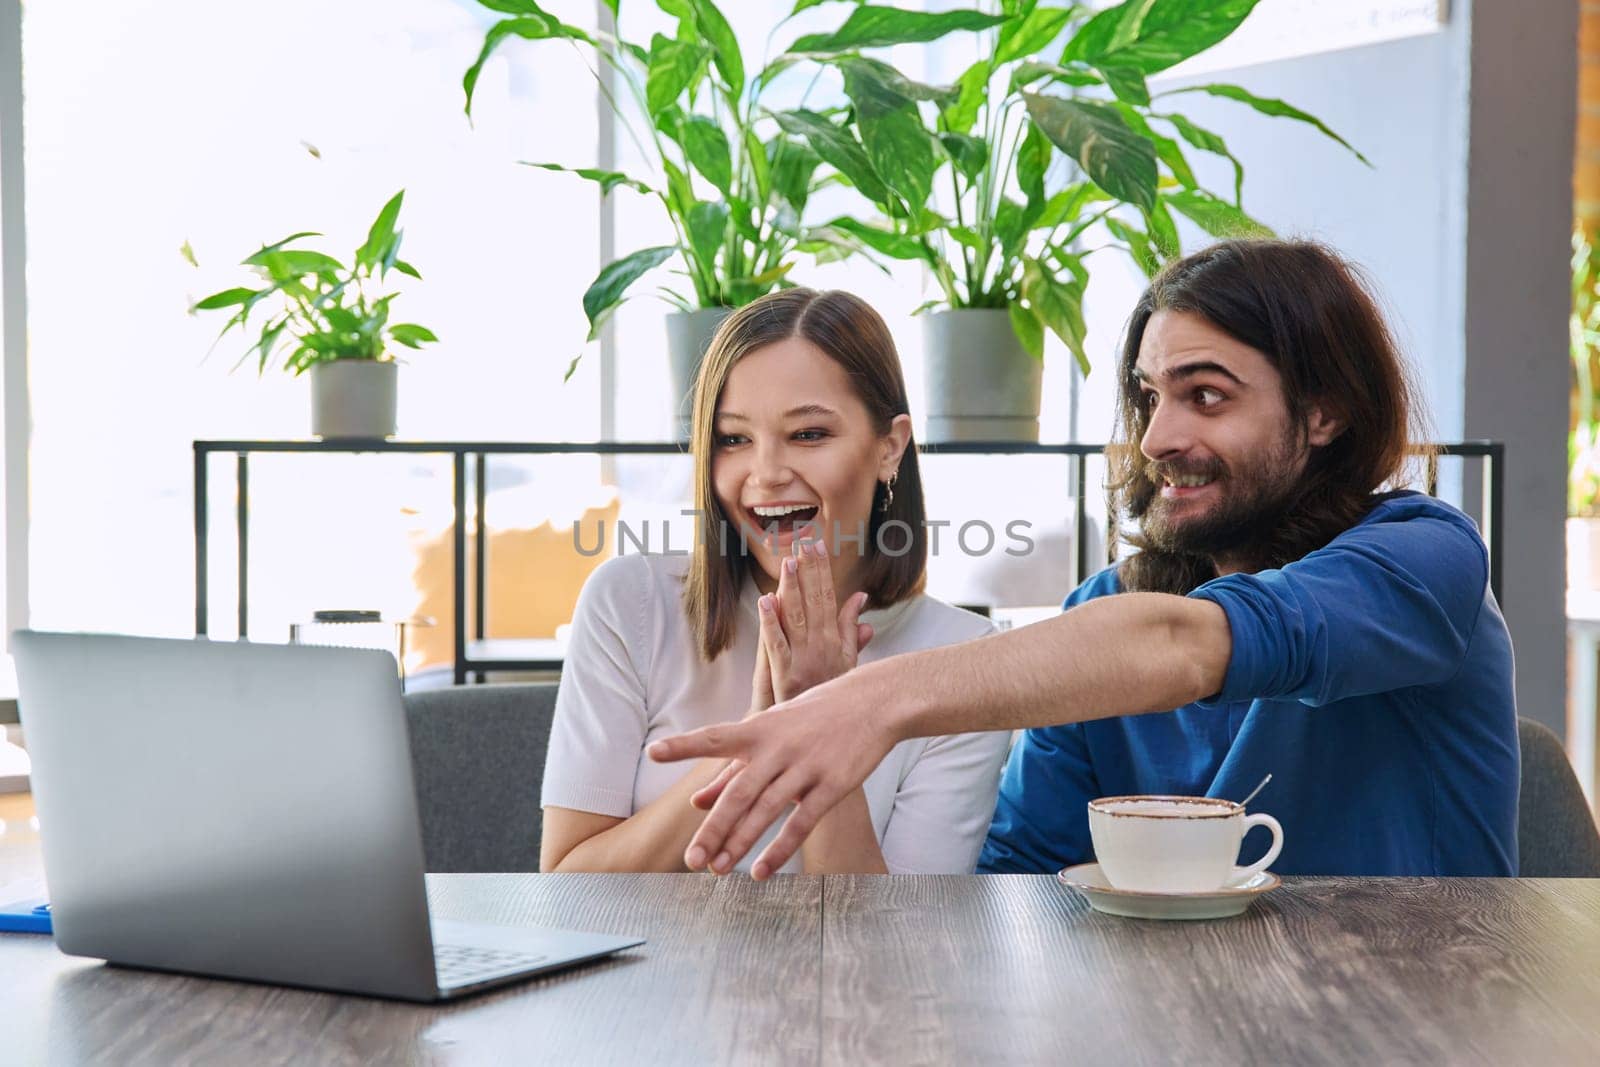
x: 1191, y: 370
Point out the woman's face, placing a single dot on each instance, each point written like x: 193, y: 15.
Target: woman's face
x: 794, y: 455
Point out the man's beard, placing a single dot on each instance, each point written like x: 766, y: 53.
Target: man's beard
x: 1238, y: 527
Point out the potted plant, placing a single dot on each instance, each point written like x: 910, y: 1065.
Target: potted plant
x: 732, y: 182
x: 331, y: 320
x: 965, y: 178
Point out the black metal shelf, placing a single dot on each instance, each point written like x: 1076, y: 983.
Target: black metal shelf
x: 1492, y: 452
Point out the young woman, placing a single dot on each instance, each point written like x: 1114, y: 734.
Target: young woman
x: 810, y: 555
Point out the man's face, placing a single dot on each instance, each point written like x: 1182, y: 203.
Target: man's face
x: 1220, y: 445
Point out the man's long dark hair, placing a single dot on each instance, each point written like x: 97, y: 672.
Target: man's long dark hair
x: 1315, y: 317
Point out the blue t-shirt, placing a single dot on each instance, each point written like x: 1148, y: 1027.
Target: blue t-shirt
x: 1372, y: 678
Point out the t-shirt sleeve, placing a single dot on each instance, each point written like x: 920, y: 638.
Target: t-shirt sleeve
x: 601, y: 712
x: 1039, y: 825
x: 942, y: 807
x: 1386, y: 605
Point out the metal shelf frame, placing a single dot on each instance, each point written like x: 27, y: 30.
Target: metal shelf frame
x: 1492, y: 454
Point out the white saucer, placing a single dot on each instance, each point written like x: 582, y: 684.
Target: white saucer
x: 1090, y: 882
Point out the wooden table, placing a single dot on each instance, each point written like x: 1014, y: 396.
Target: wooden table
x: 847, y: 970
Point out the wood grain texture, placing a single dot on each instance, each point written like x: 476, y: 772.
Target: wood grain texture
x: 856, y: 969
x: 730, y: 975
x: 1017, y: 969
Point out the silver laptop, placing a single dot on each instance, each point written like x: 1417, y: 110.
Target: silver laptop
x: 247, y: 811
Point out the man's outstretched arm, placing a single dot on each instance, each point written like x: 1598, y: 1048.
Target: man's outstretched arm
x: 1119, y: 655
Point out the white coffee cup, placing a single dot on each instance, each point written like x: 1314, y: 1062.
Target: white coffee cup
x: 1162, y: 844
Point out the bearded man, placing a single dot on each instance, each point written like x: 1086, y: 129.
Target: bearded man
x: 1287, y: 610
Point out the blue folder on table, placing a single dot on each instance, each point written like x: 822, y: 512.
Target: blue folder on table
x: 25, y: 917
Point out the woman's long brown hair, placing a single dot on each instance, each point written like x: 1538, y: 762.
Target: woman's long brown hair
x: 848, y: 331
x: 1316, y: 318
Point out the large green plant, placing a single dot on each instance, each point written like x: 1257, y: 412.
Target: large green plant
x: 966, y: 177
x: 732, y: 181
x: 323, y: 310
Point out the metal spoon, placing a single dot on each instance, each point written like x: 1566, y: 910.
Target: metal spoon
x: 1256, y: 790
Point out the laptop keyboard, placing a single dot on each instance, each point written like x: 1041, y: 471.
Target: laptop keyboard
x: 458, y: 965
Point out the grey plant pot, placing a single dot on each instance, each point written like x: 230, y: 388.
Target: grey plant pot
x: 353, y: 398
x: 689, y: 334
x: 981, y: 383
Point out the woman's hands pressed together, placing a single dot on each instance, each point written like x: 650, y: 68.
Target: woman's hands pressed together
x: 806, y: 638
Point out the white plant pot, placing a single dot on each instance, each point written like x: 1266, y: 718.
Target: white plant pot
x: 689, y: 334
x: 353, y: 399
x: 981, y: 384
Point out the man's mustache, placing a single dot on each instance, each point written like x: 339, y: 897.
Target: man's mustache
x: 1168, y: 471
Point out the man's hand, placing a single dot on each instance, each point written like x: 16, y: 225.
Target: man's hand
x: 810, y: 752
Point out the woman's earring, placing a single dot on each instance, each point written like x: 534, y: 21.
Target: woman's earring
x: 888, y: 493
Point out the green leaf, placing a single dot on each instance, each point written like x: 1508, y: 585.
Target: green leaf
x: 1025, y: 36
x: 1268, y: 106
x: 760, y: 168
x: 1029, y: 330
x: 968, y: 153
x: 1129, y: 24
x: 1068, y: 204
x: 381, y: 234
x: 876, y: 27
x: 971, y: 89
x: 187, y: 252
x: 1163, y: 231
x: 1128, y: 84
x: 1095, y: 136
x: 293, y: 263
x: 1033, y: 159
x: 1167, y: 150
x: 1169, y: 32
x: 706, y: 147
x: 606, y: 179
x: 1209, y: 142
x: 839, y: 148
x: 532, y: 27
x: 1217, y: 217
x: 967, y: 237
x: 1138, y: 245
x: 1057, y: 304
x: 405, y: 268
x: 803, y: 4
x: 515, y: 7
x: 226, y: 299
x: 674, y: 65
x: 707, y: 225
x: 877, y: 88
x: 606, y: 291
x: 411, y: 335
x: 1024, y: 74
x: 1011, y: 223
x: 903, y: 153
x: 893, y: 245
x: 1174, y: 30
x: 793, y: 164
x: 725, y: 47
x: 680, y: 193
x: 279, y: 244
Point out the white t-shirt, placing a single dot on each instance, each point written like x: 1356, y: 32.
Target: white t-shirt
x: 633, y: 674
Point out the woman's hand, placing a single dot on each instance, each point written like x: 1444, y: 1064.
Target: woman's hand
x: 806, y: 638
